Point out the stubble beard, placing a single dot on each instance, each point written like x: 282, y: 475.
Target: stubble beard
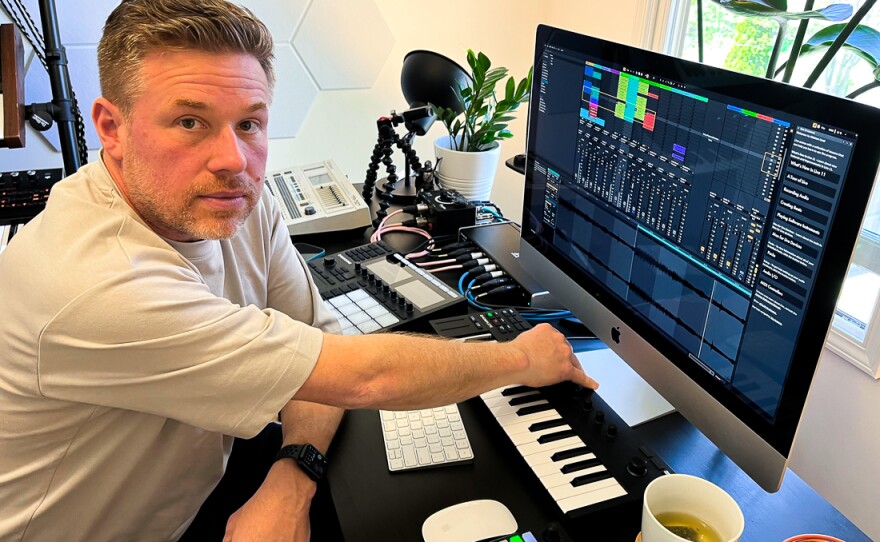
x: 165, y: 215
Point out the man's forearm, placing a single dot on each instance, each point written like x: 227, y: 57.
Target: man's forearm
x: 314, y: 423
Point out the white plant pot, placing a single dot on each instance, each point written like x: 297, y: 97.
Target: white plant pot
x: 470, y: 173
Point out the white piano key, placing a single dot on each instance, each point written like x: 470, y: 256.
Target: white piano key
x: 505, y: 399
x: 550, y: 467
x: 497, y: 391
x: 511, y: 419
x: 505, y: 409
x: 560, y: 478
x: 528, y: 436
x: 593, y: 497
x: 523, y: 426
x: 546, y: 456
x: 4, y: 236
x: 535, y: 447
x: 567, y: 491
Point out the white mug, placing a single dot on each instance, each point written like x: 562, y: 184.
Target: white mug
x: 694, y: 496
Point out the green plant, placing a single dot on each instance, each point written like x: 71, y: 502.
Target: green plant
x: 862, y: 40
x: 484, y: 118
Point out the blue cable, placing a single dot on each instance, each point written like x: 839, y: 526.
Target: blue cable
x: 318, y: 255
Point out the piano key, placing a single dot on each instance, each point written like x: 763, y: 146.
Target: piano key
x: 557, y: 479
x: 589, y: 477
x: 550, y: 467
x: 591, y: 498
x: 502, y: 400
x: 552, y: 455
x: 567, y: 490
x: 524, y: 399
x: 503, y: 410
x: 517, y: 425
x: 497, y: 391
x: 4, y: 236
x: 558, y: 435
x: 581, y: 464
x: 511, y: 419
x: 529, y: 436
x: 515, y: 390
x: 533, y: 408
x: 538, y: 426
x: 535, y: 447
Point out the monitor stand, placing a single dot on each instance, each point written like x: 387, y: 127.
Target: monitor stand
x: 622, y: 388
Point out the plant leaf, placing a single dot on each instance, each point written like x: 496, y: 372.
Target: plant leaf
x: 483, y: 62
x: 509, y: 89
x: 864, y: 42
x: 777, y: 9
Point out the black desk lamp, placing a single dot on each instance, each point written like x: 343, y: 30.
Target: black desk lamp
x: 427, y: 79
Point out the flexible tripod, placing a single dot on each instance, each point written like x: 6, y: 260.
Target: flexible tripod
x: 382, y: 154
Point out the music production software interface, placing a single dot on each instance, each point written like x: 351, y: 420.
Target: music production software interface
x: 706, y: 217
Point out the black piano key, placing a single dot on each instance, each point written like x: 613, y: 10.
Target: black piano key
x: 590, y: 478
x: 581, y: 465
x: 516, y: 390
x: 559, y: 435
x: 568, y: 454
x: 525, y: 399
x: 525, y: 411
x: 540, y: 426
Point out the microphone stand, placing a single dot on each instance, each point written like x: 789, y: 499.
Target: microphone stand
x: 59, y: 80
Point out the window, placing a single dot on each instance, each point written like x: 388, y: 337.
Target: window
x: 744, y: 44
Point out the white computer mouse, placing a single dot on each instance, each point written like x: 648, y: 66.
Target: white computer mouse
x: 468, y: 522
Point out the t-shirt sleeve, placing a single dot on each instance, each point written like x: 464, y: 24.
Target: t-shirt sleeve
x: 290, y: 282
x: 186, y: 355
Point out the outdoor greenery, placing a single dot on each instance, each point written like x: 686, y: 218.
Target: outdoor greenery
x: 758, y: 37
x: 484, y: 118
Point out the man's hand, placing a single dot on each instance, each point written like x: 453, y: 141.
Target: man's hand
x: 550, y: 358
x: 278, y: 511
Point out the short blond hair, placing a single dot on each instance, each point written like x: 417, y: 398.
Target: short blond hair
x: 138, y: 27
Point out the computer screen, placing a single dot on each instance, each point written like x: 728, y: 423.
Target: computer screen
x: 700, y: 222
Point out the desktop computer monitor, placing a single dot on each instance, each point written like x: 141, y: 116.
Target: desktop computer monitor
x: 700, y: 222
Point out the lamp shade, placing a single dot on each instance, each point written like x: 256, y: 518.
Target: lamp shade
x: 428, y: 77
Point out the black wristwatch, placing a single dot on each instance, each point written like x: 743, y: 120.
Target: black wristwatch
x: 307, y: 457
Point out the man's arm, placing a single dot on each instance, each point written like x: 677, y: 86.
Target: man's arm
x: 400, y: 372
x: 279, y: 510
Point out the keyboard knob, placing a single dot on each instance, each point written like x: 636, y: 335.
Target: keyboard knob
x: 637, y: 467
x: 401, y: 301
x: 588, y: 404
x: 357, y: 267
x: 393, y: 295
x: 611, y: 432
x: 329, y: 262
x: 599, y: 418
x: 409, y: 307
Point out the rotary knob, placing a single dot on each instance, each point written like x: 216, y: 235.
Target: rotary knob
x: 599, y: 418
x: 588, y: 404
x: 358, y: 266
x: 611, y: 432
x: 329, y: 262
x: 637, y: 467
x: 410, y: 307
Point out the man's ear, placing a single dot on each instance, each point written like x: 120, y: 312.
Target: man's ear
x: 110, y: 124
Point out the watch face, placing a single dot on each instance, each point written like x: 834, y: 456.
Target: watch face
x: 313, y: 462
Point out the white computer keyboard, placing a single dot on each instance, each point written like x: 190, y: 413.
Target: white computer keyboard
x: 417, y: 439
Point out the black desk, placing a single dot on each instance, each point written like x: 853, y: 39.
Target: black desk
x: 373, y: 504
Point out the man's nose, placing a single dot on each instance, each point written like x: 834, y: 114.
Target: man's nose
x: 227, y: 155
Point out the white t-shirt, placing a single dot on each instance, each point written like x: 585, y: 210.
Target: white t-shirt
x: 127, y: 360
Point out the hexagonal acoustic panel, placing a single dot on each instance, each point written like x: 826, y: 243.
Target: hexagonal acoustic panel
x: 281, y: 17
x: 294, y: 94
x: 344, y: 44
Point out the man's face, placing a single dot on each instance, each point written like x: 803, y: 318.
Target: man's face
x: 195, y: 143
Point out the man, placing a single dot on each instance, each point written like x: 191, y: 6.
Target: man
x: 156, y: 308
